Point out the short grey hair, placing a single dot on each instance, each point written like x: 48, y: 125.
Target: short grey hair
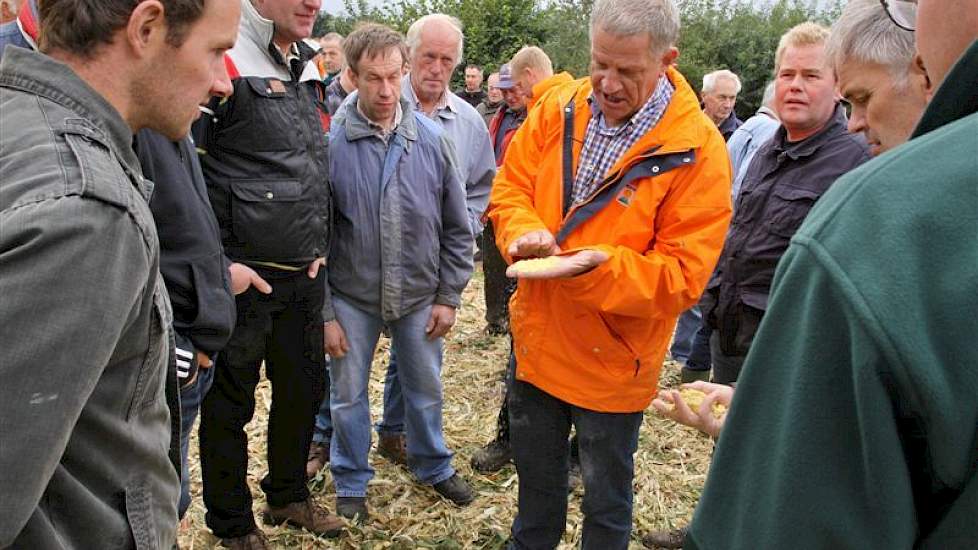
x: 865, y: 34
x: 414, y: 32
x: 768, y: 98
x: 657, y: 18
x: 710, y: 80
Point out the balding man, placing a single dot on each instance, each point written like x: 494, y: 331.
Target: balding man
x: 435, y: 46
x: 869, y: 341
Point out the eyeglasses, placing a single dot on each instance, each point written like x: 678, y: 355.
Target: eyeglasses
x: 903, y: 13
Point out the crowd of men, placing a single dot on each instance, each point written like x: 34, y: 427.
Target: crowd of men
x: 270, y: 199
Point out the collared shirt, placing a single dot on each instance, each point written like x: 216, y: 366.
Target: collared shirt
x: 442, y: 104
x: 603, y: 146
x: 383, y: 133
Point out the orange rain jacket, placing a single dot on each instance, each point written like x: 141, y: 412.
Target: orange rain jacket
x: 597, y: 340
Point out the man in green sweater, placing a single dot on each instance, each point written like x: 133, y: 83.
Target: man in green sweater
x: 856, y: 423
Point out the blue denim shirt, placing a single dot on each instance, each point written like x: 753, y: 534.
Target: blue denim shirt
x: 744, y: 143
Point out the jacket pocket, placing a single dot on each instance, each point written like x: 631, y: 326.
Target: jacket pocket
x: 151, y: 379
x: 265, y: 218
x: 272, y: 115
x: 601, y: 342
x: 788, y: 208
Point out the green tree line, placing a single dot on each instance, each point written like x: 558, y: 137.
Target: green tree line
x: 737, y: 35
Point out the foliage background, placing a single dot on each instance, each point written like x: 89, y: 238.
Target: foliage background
x: 737, y: 35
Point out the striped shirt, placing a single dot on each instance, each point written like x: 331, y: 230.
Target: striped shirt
x: 603, y: 146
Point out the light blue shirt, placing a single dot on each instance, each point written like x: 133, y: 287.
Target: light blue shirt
x: 476, y: 161
x: 745, y: 142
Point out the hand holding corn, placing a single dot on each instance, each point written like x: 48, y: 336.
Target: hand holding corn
x: 699, y: 405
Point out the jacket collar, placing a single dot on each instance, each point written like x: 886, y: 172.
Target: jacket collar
x: 261, y: 32
x: 357, y: 127
x: 956, y: 98
x: 39, y: 74
x: 542, y: 87
x: 810, y: 145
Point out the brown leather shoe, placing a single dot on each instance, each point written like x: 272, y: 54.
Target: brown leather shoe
x: 307, y: 515
x: 665, y: 539
x: 318, y: 458
x: 254, y: 540
x: 393, y: 447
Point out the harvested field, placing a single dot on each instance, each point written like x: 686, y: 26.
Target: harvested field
x: 670, y: 466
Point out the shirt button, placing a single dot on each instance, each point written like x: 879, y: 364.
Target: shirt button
x: 596, y: 350
x: 269, y: 195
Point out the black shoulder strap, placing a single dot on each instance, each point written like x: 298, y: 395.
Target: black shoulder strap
x: 568, y: 164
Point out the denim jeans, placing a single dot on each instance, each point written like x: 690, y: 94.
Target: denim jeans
x: 539, y: 425
x: 324, y: 422
x: 420, y: 377
x: 392, y: 421
x: 699, y: 356
x: 190, y: 398
x: 686, y: 327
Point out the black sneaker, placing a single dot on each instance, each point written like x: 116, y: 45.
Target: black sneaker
x: 492, y: 457
x: 456, y: 490
x: 354, y: 508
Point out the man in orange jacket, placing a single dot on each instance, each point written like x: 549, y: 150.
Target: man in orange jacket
x: 624, y: 179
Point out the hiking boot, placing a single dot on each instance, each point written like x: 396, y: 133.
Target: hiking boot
x: 492, y: 457
x: 254, y: 540
x: 689, y: 375
x: 456, y: 490
x: 354, y: 508
x: 318, y: 458
x: 307, y: 515
x: 665, y: 539
x: 393, y: 447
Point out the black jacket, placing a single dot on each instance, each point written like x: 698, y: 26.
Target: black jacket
x: 263, y: 152
x: 782, y: 184
x: 192, y: 261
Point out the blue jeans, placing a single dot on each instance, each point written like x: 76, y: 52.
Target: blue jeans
x: 323, y: 431
x: 190, y: 398
x: 686, y: 327
x: 428, y: 457
x: 392, y: 421
x: 539, y: 425
x: 699, y: 355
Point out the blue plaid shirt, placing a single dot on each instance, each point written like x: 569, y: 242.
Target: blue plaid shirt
x: 603, y: 146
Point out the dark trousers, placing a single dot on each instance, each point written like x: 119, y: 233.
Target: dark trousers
x: 726, y: 368
x: 498, y: 287
x: 539, y: 426
x: 285, y: 329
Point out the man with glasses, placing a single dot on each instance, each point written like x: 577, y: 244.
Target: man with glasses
x: 865, y: 361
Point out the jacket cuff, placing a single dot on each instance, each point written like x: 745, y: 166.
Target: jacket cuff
x: 448, y: 298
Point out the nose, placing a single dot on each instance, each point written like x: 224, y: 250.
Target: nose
x: 222, y: 86
x: 857, y: 120
x: 610, y: 85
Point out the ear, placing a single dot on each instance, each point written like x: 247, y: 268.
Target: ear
x: 918, y: 77
x: 147, y: 27
x: 669, y: 57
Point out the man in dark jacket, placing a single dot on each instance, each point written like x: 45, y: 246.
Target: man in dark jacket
x: 81, y: 265
x: 785, y: 179
x: 263, y: 154
x: 472, y: 92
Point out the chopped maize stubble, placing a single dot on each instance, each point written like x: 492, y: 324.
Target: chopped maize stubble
x: 694, y: 398
x: 535, y: 265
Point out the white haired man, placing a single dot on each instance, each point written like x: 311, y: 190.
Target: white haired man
x: 720, y: 89
x: 435, y: 46
x: 640, y: 222
x: 868, y: 344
